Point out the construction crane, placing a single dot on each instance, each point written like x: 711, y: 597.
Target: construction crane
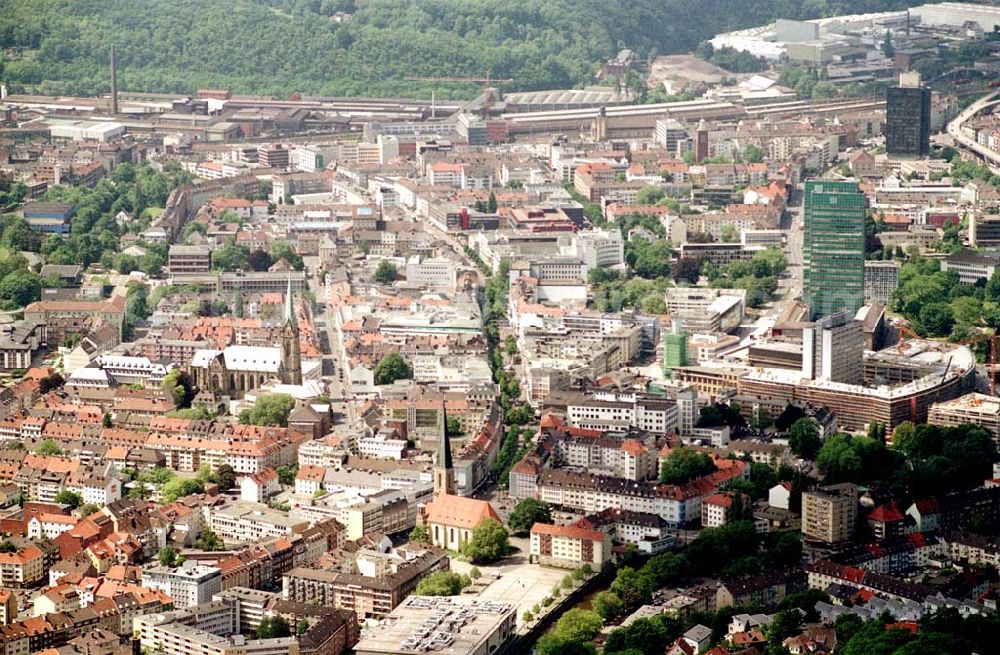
x: 903, y: 333
x: 486, y: 81
x: 992, y: 338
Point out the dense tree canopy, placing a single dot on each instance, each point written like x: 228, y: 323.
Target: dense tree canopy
x: 684, y: 464
x: 272, y: 627
x: 179, y: 487
x: 848, y: 458
x: 272, y: 409
x: 392, y: 367
x: 488, y: 544
x: 180, y: 386
x: 385, y: 273
x: 49, y: 447
x: 442, y: 583
x: 804, y: 439
x: 758, y: 275
x: 175, y: 45
x: 67, y: 497
x: 94, y: 230
x: 526, y: 513
x: 579, y: 625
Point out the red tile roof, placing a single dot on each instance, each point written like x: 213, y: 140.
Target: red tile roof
x: 460, y: 512
x: 568, y: 531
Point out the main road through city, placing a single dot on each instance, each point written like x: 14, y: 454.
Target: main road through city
x: 966, y: 142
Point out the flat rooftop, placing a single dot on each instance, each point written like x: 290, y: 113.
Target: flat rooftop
x: 978, y: 403
x: 446, y: 625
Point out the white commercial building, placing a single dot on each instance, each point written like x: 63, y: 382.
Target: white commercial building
x: 381, y: 447
x: 250, y: 522
x: 957, y: 14
x: 86, y: 130
x: 433, y: 272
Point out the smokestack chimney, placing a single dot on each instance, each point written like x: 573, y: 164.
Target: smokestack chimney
x: 114, y: 82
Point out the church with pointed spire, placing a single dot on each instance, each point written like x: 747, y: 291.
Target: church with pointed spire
x: 444, y: 469
x: 238, y: 369
x: 450, y: 518
x: 291, y: 357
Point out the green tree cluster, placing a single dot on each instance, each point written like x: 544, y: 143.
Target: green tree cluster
x: 758, y: 275
x: 442, y: 583
x: 272, y: 409
x: 137, y: 307
x: 614, y: 292
x: 392, y: 367
x: 526, y: 513
x: 67, y: 497
x: 286, y: 474
x: 734, y: 61
x: 420, y: 534
x: 516, y: 412
x: 385, y: 273
x: 939, y: 459
x: 231, y: 256
x: 804, y: 439
x: 198, y: 412
x: 283, y: 249
x: 168, y: 556
x: 180, y: 386
x: 179, y: 487
x: 573, y: 633
x: 685, y: 464
x: 849, y: 458
x: 209, y: 541
x: 94, y: 230
x: 273, y: 627
x: 48, y: 447
x: 489, y: 542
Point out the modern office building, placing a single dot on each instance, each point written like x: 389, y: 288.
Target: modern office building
x: 881, y: 281
x: 454, y: 625
x: 700, y: 310
x: 833, y: 348
x: 190, y: 584
x: 834, y: 247
x: 49, y: 217
x: 908, y: 117
x: 189, y: 259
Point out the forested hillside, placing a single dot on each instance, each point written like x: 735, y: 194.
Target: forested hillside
x: 281, y: 46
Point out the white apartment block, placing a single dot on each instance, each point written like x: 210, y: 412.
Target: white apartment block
x: 656, y: 416
x: 189, y: 584
x: 322, y: 454
x: 628, y: 459
x: 169, y: 633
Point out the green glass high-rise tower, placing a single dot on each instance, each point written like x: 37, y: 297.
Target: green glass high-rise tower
x: 833, y: 251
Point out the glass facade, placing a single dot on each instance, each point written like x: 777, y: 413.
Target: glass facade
x: 834, y: 247
x: 907, y: 121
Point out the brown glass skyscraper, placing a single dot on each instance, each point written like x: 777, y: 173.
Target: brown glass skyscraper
x: 908, y: 118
